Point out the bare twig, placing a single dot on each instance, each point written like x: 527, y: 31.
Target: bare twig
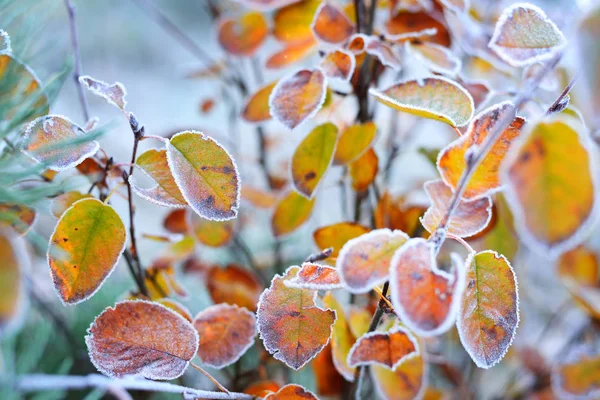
x: 41, y: 382
x: 557, y: 106
x: 212, y: 378
x: 77, y: 60
x: 243, y: 247
x: 319, y: 256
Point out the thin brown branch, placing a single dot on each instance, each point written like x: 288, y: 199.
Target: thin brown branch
x: 77, y: 60
x: 212, y: 378
x: 319, y: 256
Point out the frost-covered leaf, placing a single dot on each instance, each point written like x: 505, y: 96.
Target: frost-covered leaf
x: 425, y: 297
x: 416, y: 25
x: 84, y: 249
x: 459, y: 6
x: 313, y: 157
x: 62, y: 202
x: 114, y: 94
x: 524, y: 35
x: 292, y: 392
x: 363, y: 170
x: 470, y: 217
x: 43, y: 139
x: 225, y: 332
x: 437, y: 58
x: 354, y: 142
x: 338, y: 64
x: 488, y: 312
x: 290, y: 324
x: 17, y: 217
x: 577, y: 376
x: 341, y: 338
x: 357, y: 43
x: 292, y: 24
x: 336, y: 235
x: 388, y: 349
x: 298, y: 97
x: 19, y: 86
x: 291, y: 212
x: 257, y: 106
x: 4, y: 42
x: 438, y: 98
x: 176, y: 221
x: 13, y: 263
x: 141, y: 338
x: 486, y: 178
x: 550, y: 171
x: 211, y: 233
x: 315, y: 277
x: 234, y: 285
x: 331, y: 24
x: 243, y: 36
x: 383, y: 52
x: 166, y: 192
x: 206, y: 175
x: 291, y: 54
x: 364, y: 262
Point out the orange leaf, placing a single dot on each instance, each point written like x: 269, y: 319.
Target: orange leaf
x: 290, y: 324
x: 341, y: 339
x: 262, y: 388
x: 394, y: 214
x: 291, y: 53
x: 337, y: 235
x: 206, y: 175
x: 291, y: 212
x: 354, y: 142
x: 141, y: 338
x: 338, y: 64
x: 488, y: 314
x: 17, y: 217
x: 331, y: 25
x: 315, y: 277
x: 84, y: 249
x: 292, y: 23
x: 470, y: 217
x: 486, y: 178
x: 411, y: 25
x: 389, y: 349
x: 177, y: 307
x: 234, y: 285
x: 258, y: 198
x: 539, y: 194
x: 364, y: 170
x: 578, y: 375
x: 257, y: 107
x: 364, y: 262
x: 212, y: 233
x: 313, y: 157
x: 298, y: 97
x: 225, y: 332
x: 578, y: 270
x: 292, y: 392
x: 62, y: 202
x: 408, y: 381
x: 176, y: 221
x: 328, y: 380
x: 425, y: 297
x: 13, y: 260
x: 357, y: 43
x: 165, y: 193
x: 242, y: 37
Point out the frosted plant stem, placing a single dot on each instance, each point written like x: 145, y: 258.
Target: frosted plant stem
x: 475, y: 156
x: 41, y: 382
x: 209, y: 376
x: 77, y: 59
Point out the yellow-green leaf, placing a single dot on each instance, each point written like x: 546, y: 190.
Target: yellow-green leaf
x: 290, y: 213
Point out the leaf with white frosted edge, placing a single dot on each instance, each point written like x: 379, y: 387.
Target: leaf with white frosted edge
x: 388, y: 349
x: 488, y: 313
x: 457, y: 6
x: 357, y: 43
x: 114, y: 94
x: 4, y: 42
x: 298, y: 97
x: 14, y: 262
x: 338, y: 64
x: 141, y: 338
x: 154, y: 164
x: 437, y: 98
x: 292, y: 392
x: 524, y: 35
x: 292, y: 327
x: 437, y: 58
x: 470, y: 217
x: 226, y: 332
x: 43, y: 138
x: 364, y: 262
x: 577, y: 375
x: 331, y: 25
x: 425, y: 297
x: 315, y: 276
x: 383, y: 52
x: 206, y: 175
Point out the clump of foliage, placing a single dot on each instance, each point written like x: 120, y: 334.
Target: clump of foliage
x: 416, y: 293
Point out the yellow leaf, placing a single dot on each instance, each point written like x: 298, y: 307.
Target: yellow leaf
x: 353, y: 142
x: 290, y: 213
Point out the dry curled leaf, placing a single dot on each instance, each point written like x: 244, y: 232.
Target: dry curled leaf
x: 336, y: 235
x: 438, y: 98
x: 298, y: 97
x: 47, y: 142
x: 524, y: 35
x: 84, y: 249
x: 206, y: 175
x: 470, y: 217
x: 331, y: 25
x: 488, y: 312
x: 313, y: 157
x: 338, y: 64
x: 225, y: 332
x: 291, y: 212
x: 234, y: 285
x: 388, y: 349
x: 243, y: 36
x: 315, y: 277
x: 425, y: 297
x: 290, y: 324
x: 364, y: 262
x: 141, y: 338
x: 114, y: 94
